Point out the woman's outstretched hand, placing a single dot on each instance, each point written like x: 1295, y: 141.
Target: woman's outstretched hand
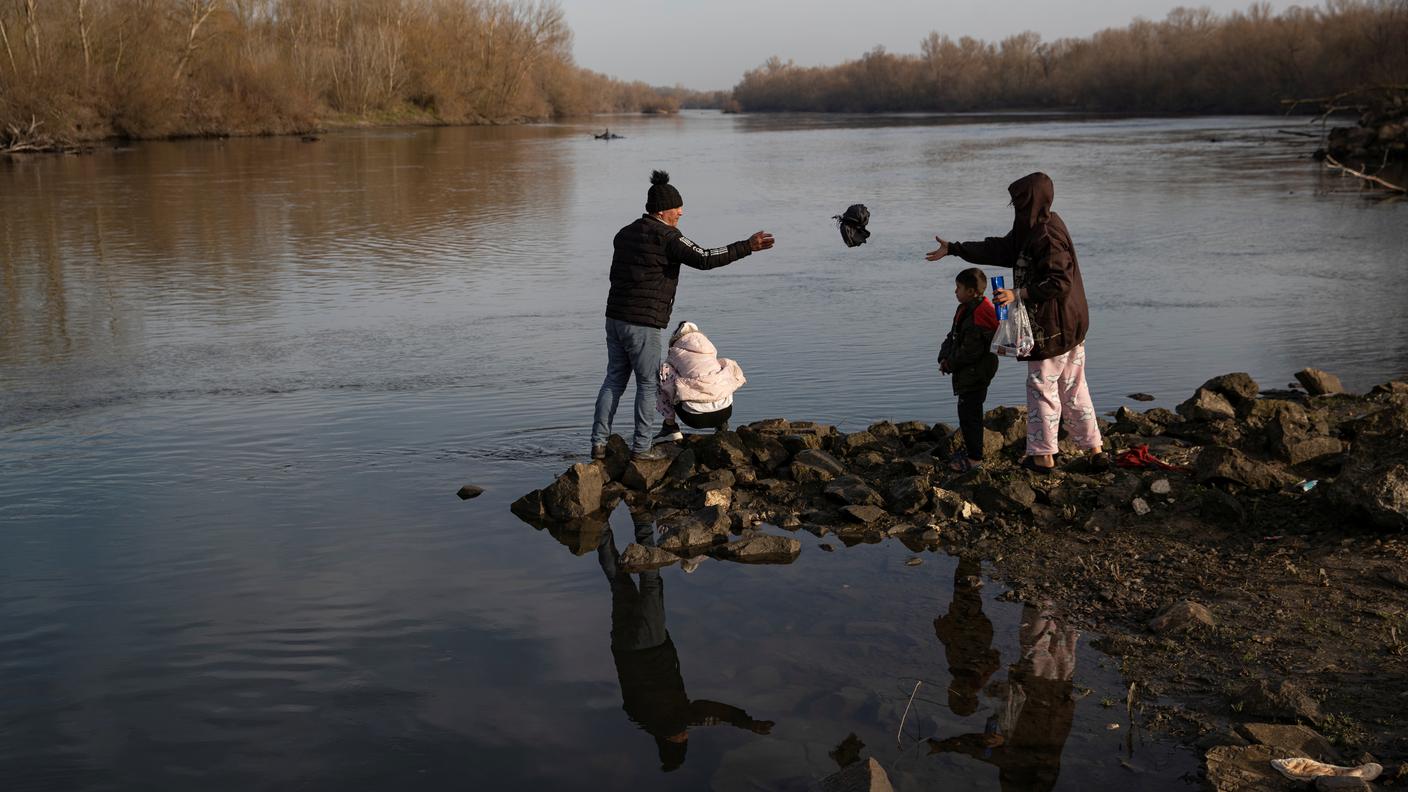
x: 940, y: 252
x: 760, y: 241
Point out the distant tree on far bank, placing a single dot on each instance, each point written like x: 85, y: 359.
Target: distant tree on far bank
x: 1194, y: 61
x: 89, y: 69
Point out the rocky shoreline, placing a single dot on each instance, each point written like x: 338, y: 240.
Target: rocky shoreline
x: 1251, y: 572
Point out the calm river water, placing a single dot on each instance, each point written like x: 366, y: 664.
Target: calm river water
x: 241, y: 380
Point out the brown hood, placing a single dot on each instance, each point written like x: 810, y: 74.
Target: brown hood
x: 1032, y: 196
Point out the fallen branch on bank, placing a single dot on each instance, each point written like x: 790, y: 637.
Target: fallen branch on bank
x: 1333, y: 163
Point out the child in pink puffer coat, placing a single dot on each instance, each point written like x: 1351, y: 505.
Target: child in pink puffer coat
x: 696, y: 385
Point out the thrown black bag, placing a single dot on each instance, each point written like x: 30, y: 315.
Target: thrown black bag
x: 853, y: 224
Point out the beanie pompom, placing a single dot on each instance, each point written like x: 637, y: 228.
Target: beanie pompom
x: 659, y: 177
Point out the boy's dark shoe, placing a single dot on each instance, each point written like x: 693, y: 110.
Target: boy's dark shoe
x: 599, y: 451
x: 652, y: 455
x: 670, y: 432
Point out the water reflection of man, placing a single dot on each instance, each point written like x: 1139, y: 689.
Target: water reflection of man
x: 1028, y: 730
x: 647, y: 665
x: 966, y: 634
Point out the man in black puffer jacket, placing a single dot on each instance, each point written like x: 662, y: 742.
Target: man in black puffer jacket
x: 644, y: 273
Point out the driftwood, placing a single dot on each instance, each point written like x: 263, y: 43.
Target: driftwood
x: 1369, y: 177
x: 27, y: 139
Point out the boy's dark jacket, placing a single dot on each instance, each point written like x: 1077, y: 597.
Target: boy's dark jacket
x: 968, y: 347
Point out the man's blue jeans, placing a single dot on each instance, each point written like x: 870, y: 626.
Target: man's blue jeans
x: 630, y: 349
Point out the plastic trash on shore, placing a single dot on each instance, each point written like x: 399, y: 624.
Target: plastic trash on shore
x: 1308, y: 485
x: 853, y: 222
x: 1014, y: 334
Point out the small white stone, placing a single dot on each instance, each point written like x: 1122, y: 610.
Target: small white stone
x: 1161, y: 487
x: 1140, y: 507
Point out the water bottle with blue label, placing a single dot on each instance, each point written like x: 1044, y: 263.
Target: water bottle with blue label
x: 998, y: 282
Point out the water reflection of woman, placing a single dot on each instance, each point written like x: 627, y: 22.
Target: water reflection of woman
x: 1032, y: 719
x: 966, y: 634
x: 647, y: 665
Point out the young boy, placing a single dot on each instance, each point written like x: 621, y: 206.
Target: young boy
x: 967, y: 355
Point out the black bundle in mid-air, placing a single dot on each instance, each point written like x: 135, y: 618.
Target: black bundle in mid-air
x: 853, y: 223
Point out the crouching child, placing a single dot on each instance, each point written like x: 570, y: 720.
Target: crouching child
x: 967, y: 355
x: 696, y: 385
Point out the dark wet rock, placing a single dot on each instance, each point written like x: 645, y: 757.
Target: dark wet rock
x: 1129, y: 421
x: 848, y: 752
x: 883, y: 430
x: 815, y: 465
x: 1394, y: 575
x: 1392, y: 388
x: 470, y: 491
x: 575, y: 493
x: 769, y: 452
x: 639, y: 558
x: 618, y: 457
x: 1319, y: 383
x: 1010, y: 424
x: 1207, y: 405
x: 1284, y: 701
x: 1374, y: 479
x: 761, y: 549
x: 692, y: 534
x: 866, y: 776
x: 723, y: 451
x: 828, y: 548
x: 611, y: 495
x: 1238, y: 388
x: 746, y: 476
x: 1182, y: 617
x: 1162, y: 416
x: 715, y: 518
x: 1003, y: 496
x: 1314, y: 449
x: 864, y: 514
x: 1290, y: 737
x: 853, y: 490
x: 854, y: 442
x: 643, y: 475
x: 682, y: 467
x: 1220, y: 737
x: 1144, y: 397
x: 715, y: 479
x: 908, y: 495
x: 1246, y: 769
x: 789, y: 522
x: 1218, y: 463
x: 913, y: 431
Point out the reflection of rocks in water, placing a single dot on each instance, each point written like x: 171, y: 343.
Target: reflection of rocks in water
x: 647, y: 663
x: 848, y: 752
x: 1032, y: 713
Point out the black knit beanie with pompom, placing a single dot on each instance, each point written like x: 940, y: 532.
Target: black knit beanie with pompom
x: 662, y: 195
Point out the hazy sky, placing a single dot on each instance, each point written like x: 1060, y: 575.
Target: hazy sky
x: 708, y: 44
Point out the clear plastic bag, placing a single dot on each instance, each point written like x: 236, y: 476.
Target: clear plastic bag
x: 1014, y: 334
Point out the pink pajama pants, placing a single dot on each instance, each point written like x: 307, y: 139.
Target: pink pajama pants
x: 1056, y: 392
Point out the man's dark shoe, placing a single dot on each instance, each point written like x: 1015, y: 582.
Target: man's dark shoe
x: 599, y: 451
x: 652, y: 455
x: 670, y: 432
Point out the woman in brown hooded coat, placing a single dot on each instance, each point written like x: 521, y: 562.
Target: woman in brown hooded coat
x: 1046, y: 278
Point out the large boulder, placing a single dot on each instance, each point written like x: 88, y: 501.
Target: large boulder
x: 766, y: 448
x: 1290, y: 737
x: 1129, y: 421
x: 761, y: 549
x: 723, y: 451
x: 813, y: 464
x: 909, y: 494
x: 1207, y: 405
x: 864, y: 514
x: 854, y: 442
x: 1319, y: 383
x: 1010, y: 424
x: 643, y: 474
x: 682, y: 467
x: 530, y: 509
x: 618, y: 457
x: 854, y: 491
x: 1219, y: 463
x: 1003, y: 496
x: 1238, y: 388
x: 1374, y: 479
x: 575, y: 493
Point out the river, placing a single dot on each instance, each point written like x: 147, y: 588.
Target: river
x: 241, y: 381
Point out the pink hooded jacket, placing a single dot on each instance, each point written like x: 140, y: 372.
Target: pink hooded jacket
x: 694, y: 373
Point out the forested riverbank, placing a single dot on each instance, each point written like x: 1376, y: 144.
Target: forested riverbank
x: 1194, y: 61
x: 85, y: 70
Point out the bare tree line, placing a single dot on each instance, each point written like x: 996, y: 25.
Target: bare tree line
x: 74, y: 70
x: 1192, y: 61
